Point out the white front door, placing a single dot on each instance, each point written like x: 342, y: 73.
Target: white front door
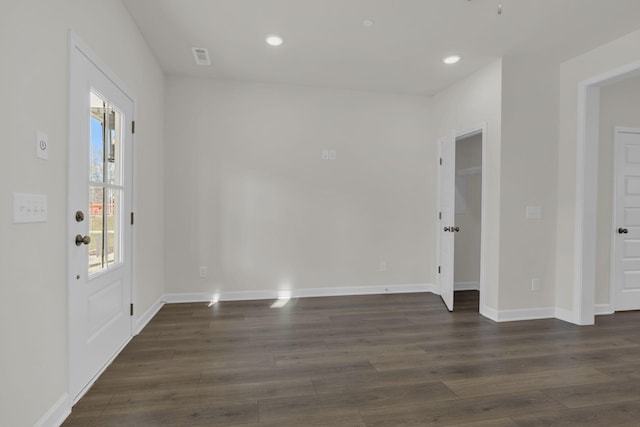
x: 626, y: 244
x: 99, y: 207
x: 446, y: 217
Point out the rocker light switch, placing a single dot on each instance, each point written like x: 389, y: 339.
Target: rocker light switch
x: 29, y: 208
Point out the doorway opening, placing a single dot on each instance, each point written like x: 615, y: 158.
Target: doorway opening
x: 461, y: 221
x: 468, y: 219
x: 585, y: 222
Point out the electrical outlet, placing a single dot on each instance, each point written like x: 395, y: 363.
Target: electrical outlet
x: 204, y: 271
x: 325, y: 154
x: 535, y: 285
x: 383, y: 266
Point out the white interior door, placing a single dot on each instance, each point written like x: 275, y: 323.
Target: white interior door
x: 626, y: 244
x: 446, y: 217
x: 99, y: 206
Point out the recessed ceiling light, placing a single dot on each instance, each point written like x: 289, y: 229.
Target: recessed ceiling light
x: 453, y: 59
x: 368, y: 23
x: 274, y: 40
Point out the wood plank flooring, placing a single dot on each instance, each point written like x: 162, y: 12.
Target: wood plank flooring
x: 374, y: 361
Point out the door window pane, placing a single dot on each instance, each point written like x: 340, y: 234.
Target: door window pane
x: 113, y: 226
x: 96, y: 227
x: 114, y: 143
x: 105, y: 184
x: 96, y: 138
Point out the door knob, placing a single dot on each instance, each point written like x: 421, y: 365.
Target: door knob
x: 448, y: 229
x: 456, y: 229
x: 622, y: 230
x: 82, y: 240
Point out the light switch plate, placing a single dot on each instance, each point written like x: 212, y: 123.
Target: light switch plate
x: 42, y: 146
x: 29, y: 208
x: 534, y: 212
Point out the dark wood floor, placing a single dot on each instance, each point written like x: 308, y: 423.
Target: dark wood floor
x: 386, y: 360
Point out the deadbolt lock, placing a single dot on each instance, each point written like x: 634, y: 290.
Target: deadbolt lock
x: 79, y: 216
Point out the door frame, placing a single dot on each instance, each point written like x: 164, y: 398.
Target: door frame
x: 613, y: 286
x: 584, y: 245
x: 472, y: 131
x: 76, y: 44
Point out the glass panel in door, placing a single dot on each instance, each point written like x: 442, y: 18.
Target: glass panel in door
x: 105, y: 185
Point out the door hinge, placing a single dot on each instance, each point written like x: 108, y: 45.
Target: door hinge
x: 438, y: 269
x: 131, y: 218
x: 440, y: 215
x: 131, y: 309
x: 441, y: 160
x: 133, y: 126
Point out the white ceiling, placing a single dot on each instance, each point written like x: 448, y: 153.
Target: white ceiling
x: 327, y: 45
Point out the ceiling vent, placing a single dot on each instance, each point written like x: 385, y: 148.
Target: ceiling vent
x: 201, y: 55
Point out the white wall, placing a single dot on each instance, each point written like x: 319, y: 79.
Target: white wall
x: 34, y: 92
x: 467, y: 241
x: 475, y: 101
x: 528, y: 178
x: 618, y: 53
x: 249, y: 196
x: 619, y: 106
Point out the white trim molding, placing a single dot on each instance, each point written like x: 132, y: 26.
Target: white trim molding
x: 522, y: 314
x: 296, y: 293
x: 146, y: 317
x: 363, y: 290
x: 489, y: 313
x: 525, y: 314
x: 56, y: 415
x: 466, y: 286
x: 585, y: 201
x: 565, y: 315
x: 604, y: 309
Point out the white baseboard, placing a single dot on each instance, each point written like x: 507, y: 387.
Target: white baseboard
x: 296, y: 293
x: 362, y: 290
x: 188, y: 297
x: 146, y: 317
x: 565, y: 315
x: 489, y: 313
x: 56, y: 415
x: 466, y: 286
x: 519, y: 314
x: 540, y: 313
x: 603, y: 309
